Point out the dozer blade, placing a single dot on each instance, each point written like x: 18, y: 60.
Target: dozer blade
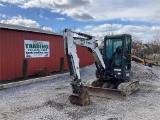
x: 81, y: 100
x: 105, y: 92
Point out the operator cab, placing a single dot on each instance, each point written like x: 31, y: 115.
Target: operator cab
x: 117, y: 56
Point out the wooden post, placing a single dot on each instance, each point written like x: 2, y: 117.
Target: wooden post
x: 61, y: 64
x: 24, y: 69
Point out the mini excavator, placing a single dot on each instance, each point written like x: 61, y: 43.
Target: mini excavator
x: 113, y: 69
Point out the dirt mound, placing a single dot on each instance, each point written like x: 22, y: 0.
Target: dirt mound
x: 144, y: 73
x: 138, y: 71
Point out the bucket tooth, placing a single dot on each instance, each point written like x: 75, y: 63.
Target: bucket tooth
x: 81, y: 100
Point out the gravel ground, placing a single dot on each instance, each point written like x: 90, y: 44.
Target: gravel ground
x: 49, y: 100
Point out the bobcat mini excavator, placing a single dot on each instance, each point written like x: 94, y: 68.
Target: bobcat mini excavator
x: 113, y: 70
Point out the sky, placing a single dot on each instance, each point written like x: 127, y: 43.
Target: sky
x: 140, y: 18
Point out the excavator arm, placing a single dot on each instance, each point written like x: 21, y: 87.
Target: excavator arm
x: 89, y: 42
x: 70, y: 44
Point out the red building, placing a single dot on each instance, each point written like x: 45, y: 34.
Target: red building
x: 14, y: 48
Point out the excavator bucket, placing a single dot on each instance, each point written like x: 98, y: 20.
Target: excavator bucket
x: 81, y: 100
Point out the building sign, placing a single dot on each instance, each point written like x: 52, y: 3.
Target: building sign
x: 34, y: 49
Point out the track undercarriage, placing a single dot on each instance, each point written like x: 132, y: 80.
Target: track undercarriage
x: 113, y: 91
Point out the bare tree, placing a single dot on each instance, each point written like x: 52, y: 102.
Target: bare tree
x: 156, y: 44
x: 136, y: 45
x: 156, y: 38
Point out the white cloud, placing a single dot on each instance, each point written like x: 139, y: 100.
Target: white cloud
x: 84, y: 10
x: 3, y: 15
x: 120, y: 29
x: 52, y: 4
x: 18, y: 20
x: 14, y: 1
x: 145, y: 33
x: 88, y: 27
x: 47, y: 29
x: 155, y: 28
x: 35, y: 4
x: 78, y: 14
x: 1, y: 5
x: 133, y: 29
x: 41, y: 16
x: 105, y: 27
x: 60, y: 18
x: 137, y: 10
x: 75, y: 9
